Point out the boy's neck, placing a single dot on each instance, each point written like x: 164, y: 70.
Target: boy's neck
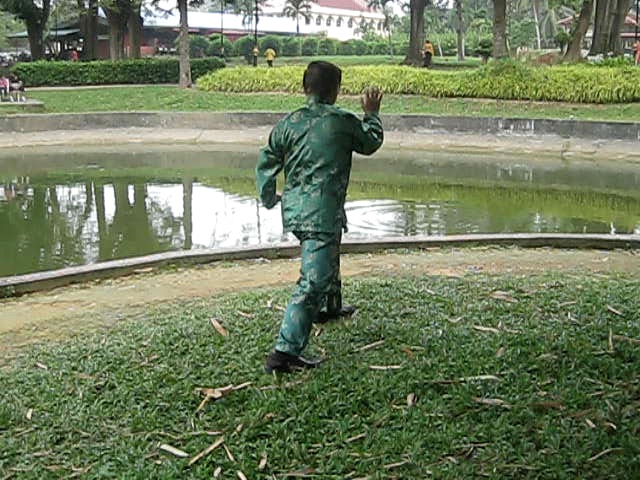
x: 313, y: 98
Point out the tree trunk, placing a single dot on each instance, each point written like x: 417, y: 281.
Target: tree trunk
x: 116, y: 41
x: 600, y: 34
x: 615, y: 42
x: 36, y: 38
x: 536, y: 17
x: 500, y: 29
x: 135, y: 32
x: 416, y: 37
x: 185, y: 64
x: 574, y: 50
x: 89, y: 29
x: 460, y: 30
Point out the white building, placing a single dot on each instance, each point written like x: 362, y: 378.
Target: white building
x: 338, y: 19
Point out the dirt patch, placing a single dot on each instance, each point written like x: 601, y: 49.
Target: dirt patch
x: 70, y: 311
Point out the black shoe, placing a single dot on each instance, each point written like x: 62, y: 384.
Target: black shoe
x: 285, y: 362
x: 345, y: 311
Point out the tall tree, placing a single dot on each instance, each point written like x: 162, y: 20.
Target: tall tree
x: 574, y: 50
x: 89, y: 28
x: 500, y: 29
x: 416, y: 34
x: 296, y: 9
x: 118, y: 13
x: 535, y: 6
x: 185, y: 63
x: 389, y: 17
x: 621, y: 12
x: 609, y: 20
x: 35, y: 14
x: 459, y: 24
x: 134, y: 26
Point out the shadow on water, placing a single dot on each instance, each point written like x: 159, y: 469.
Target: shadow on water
x: 59, y: 208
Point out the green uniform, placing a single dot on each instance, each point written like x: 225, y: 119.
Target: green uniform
x: 314, y: 146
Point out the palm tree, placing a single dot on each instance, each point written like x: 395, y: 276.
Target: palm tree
x: 500, y: 29
x: 389, y: 17
x: 296, y: 9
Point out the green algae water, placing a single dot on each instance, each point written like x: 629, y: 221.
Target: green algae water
x: 60, y: 208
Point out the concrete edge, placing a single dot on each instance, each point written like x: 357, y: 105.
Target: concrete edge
x: 40, y: 281
x: 567, y: 128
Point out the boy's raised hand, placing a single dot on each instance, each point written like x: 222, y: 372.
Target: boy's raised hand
x: 371, y: 99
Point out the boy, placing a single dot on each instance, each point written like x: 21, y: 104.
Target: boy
x: 270, y: 54
x: 314, y: 146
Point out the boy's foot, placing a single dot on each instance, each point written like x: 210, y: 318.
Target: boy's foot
x: 345, y: 311
x: 285, y: 362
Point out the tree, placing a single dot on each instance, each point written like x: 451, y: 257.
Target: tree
x: 389, y: 17
x: 185, y: 63
x: 88, y: 13
x: 35, y: 14
x: 609, y: 20
x: 535, y: 6
x: 296, y: 9
x: 118, y: 13
x: 574, y: 50
x: 416, y: 34
x: 459, y: 24
x: 500, y: 29
x: 8, y: 25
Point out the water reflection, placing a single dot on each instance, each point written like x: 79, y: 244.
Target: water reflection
x: 93, y: 214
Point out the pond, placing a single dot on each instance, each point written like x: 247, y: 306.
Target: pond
x: 60, y: 208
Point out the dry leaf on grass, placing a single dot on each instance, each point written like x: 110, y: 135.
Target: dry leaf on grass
x: 500, y: 352
x: 216, y: 324
x: 614, y: 311
x: 385, y: 367
x: 357, y: 437
x: 391, y: 466
x: 207, y: 451
x: 494, y: 402
x: 218, y: 393
x: 622, y: 338
x: 244, y: 314
x: 299, y: 474
x: 42, y: 366
x: 500, y: 295
x: 217, y: 472
x: 370, y: 346
x: 455, y: 320
x: 412, y: 399
x: 263, y: 462
x: 229, y: 454
x: 590, y: 423
x: 29, y: 414
x: 241, y: 475
x: 482, y: 328
x: 605, y: 452
x: 176, y: 452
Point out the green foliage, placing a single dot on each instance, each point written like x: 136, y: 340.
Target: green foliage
x: 213, y: 49
x: 346, y: 48
x: 310, y: 46
x: 243, y: 47
x: 562, y: 39
x: 522, y: 33
x: 198, y: 46
x: 271, y: 41
x: 105, y: 72
x: 379, y: 48
x: 614, y: 62
x: 292, y: 47
x: 485, y: 47
x: 499, y: 80
x: 360, y: 47
x: 446, y: 43
x: 327, y: 46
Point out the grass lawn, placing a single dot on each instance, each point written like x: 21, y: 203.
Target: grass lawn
x: 351, y: 60
x: 496, y: 376
x: 167, y: 98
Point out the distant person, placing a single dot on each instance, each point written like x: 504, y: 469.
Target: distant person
x: 637, y: 49
x: 314, y: 146
x: 255, y: 52
x: 16, y: 88
x: 73, y: 55
x: 270, y: 55
x: 427, y: 52
x: 4, y: 88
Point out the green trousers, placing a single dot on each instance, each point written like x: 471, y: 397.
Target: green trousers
x: 319, y: 288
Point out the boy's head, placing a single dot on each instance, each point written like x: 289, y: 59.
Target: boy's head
x: 322, y: 79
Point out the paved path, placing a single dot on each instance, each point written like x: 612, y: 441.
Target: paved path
x: 69, y: 311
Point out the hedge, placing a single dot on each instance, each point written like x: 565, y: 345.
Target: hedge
x: 104, y: 72
x: 498, y: 80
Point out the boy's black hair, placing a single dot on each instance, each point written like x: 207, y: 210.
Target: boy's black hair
x: 322, y: 79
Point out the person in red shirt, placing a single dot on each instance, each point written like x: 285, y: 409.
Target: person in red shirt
x: 637, y: 49
x: 73, y: 56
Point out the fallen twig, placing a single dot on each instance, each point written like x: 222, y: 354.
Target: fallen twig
x: 370, y: 346
x: 605, y: 452
x: 241, y: 475
x: 176, y: 452
x: 229, y: 454
x: 263, y: 462
x: 494, y: 402
x: 475, y: 378
x: 614, y: 311
x: 218, y: 393
x: 391, y: 466
x: 219, y: 327
x: 482, y: 328
x: 385, y: 367
x: 357, y: 437
x: 207, y: 451
x: 622, y: 338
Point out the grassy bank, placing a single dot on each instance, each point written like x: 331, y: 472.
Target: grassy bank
x: 502, y: 377
x: 351, y: 60
x: 154, y: 98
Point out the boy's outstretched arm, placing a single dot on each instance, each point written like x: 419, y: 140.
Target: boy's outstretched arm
x: 368, y: 133
x: 270, y: 163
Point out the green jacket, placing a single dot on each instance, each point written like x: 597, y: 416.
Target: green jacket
x: 314, y: 145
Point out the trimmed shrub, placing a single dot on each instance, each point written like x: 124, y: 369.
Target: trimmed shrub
x: 327, y: 46
x: 213, y: 49
x: 198, y: 46
x: 243, y: 47
x: 360, y: 47
x: 379, y: 48
x: 271, y: 41
x: 310, y: 46
x: 104, y: 72
x: 499, y: 80
x: 291, y: 47
x: 345, y: 48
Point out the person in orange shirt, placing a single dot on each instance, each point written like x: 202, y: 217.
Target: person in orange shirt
x: 427, y: 52
x: 270, y: 55
x: 637, y: 49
